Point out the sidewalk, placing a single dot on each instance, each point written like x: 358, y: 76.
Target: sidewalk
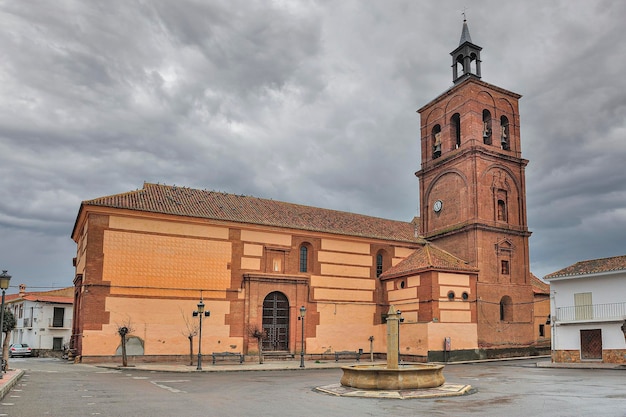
x: 275, y: 365
x: 8, y: 381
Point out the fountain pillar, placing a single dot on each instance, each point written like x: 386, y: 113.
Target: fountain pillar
x: 393, y: 321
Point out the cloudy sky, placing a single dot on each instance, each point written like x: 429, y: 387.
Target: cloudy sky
x: 311, y: 102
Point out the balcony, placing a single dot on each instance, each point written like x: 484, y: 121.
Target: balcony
x: 28, y: 322
x: 59, y: 324
x: 591, y: 313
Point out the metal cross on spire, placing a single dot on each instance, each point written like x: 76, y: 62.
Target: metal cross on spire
x: 463, y: 12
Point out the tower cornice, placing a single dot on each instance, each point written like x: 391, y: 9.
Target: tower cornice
x: 464, y: 84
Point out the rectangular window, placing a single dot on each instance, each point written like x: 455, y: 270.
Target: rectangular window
x: 59, y: 316
x: 505, y: 267
x: 57, y: 343
x: 583, y: 306
x: 542, y: 331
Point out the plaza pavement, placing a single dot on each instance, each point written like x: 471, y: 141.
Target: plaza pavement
x: 12, y: 376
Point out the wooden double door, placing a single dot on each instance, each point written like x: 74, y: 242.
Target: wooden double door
x: 276, y: 322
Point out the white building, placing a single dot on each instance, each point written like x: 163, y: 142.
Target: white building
x: 43, y: 319
x: 588, y: 311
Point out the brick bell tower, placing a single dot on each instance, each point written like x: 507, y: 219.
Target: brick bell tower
x: 473, y: 195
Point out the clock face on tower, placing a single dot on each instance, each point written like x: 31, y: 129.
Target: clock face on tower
x: 438, y: 206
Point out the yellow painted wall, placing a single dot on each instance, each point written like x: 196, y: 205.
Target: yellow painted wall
x: 403, y: 294
x: 264, y: 237
x: 344, y: 246
x: 451, y: 316
x: 341, y: 282
x: 252, y: 250
x: 344, y: 258
x: 251, y: 263
x: 165, y: 227
x: 341, y: 295
x: 459, y: 280
x: 419, y: 338
x: 346, y: 327
x: 161, y: 325
x: 463, y: 335
x: 402, y: 252
x: 413, y: 281
x: 156, y: 265
x: 345, y: 271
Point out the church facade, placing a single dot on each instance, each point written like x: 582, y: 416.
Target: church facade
x: 459, y: 274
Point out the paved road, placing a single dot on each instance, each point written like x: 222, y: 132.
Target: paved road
x: 515, y: 388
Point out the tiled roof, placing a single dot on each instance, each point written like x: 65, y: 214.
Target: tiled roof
x: 428, y: 256
x: 48, y: 299
x: 594, y: 266
x: 60, y: 296
x: 182, y: 201
x: 539, y: 287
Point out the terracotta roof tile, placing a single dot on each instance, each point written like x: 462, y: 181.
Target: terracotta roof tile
x: 593, y: 266
x: 61, y: 296
x: 182, y: 201
x: 539, y: 287
x: 428, y: 256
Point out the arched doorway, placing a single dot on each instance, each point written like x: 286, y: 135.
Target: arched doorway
x: 276, y: 322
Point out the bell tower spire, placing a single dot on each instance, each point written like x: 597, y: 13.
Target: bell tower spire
x: 466, y: 57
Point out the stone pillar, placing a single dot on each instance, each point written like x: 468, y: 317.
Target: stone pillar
x: 393, y: 320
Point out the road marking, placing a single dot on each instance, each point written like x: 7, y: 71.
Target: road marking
x: 174, y: 390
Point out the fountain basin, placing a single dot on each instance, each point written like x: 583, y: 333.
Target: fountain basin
x: 379, y: 377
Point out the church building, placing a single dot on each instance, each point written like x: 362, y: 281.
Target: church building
x: 321, y: 280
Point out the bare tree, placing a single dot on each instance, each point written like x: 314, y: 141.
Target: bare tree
x: 191, y: 330
x: 259, y: 334
x: 123, y: 330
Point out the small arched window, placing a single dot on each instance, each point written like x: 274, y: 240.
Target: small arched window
x: 486, y: 127
x: 436, y: 141
x: 304, y: 258
x: 506, y: 309
x: 455, y: 125
x: 505, y: 136
x: 379, y: 264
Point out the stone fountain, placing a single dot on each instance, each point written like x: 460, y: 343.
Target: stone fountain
x: 393, y: 376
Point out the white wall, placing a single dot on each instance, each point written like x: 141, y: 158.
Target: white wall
x: 604, y: 289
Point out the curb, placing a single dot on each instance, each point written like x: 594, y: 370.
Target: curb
x: 12, y: 380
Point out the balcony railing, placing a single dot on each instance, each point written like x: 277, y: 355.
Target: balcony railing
x: 595, y: 312
x: 60, y: 324
x: 27, y: 322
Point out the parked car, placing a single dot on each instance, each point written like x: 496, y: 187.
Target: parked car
x: 19, y: 349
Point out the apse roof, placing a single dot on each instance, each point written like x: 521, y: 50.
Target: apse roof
x: 428, y: 256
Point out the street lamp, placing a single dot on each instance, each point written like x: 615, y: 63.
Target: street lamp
x: 4, y: 284
x: 302, y: 313
x: 400, y: 320
x: 200, y: 312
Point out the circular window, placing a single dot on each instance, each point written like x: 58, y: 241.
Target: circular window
x: 451, y: 295
x: 402, y: 284
x: 465, y: 296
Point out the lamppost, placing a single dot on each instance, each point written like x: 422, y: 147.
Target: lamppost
x: 400, y: 320
x: 4, y: 284
x: 302, y: 313
x: 200, y: 312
